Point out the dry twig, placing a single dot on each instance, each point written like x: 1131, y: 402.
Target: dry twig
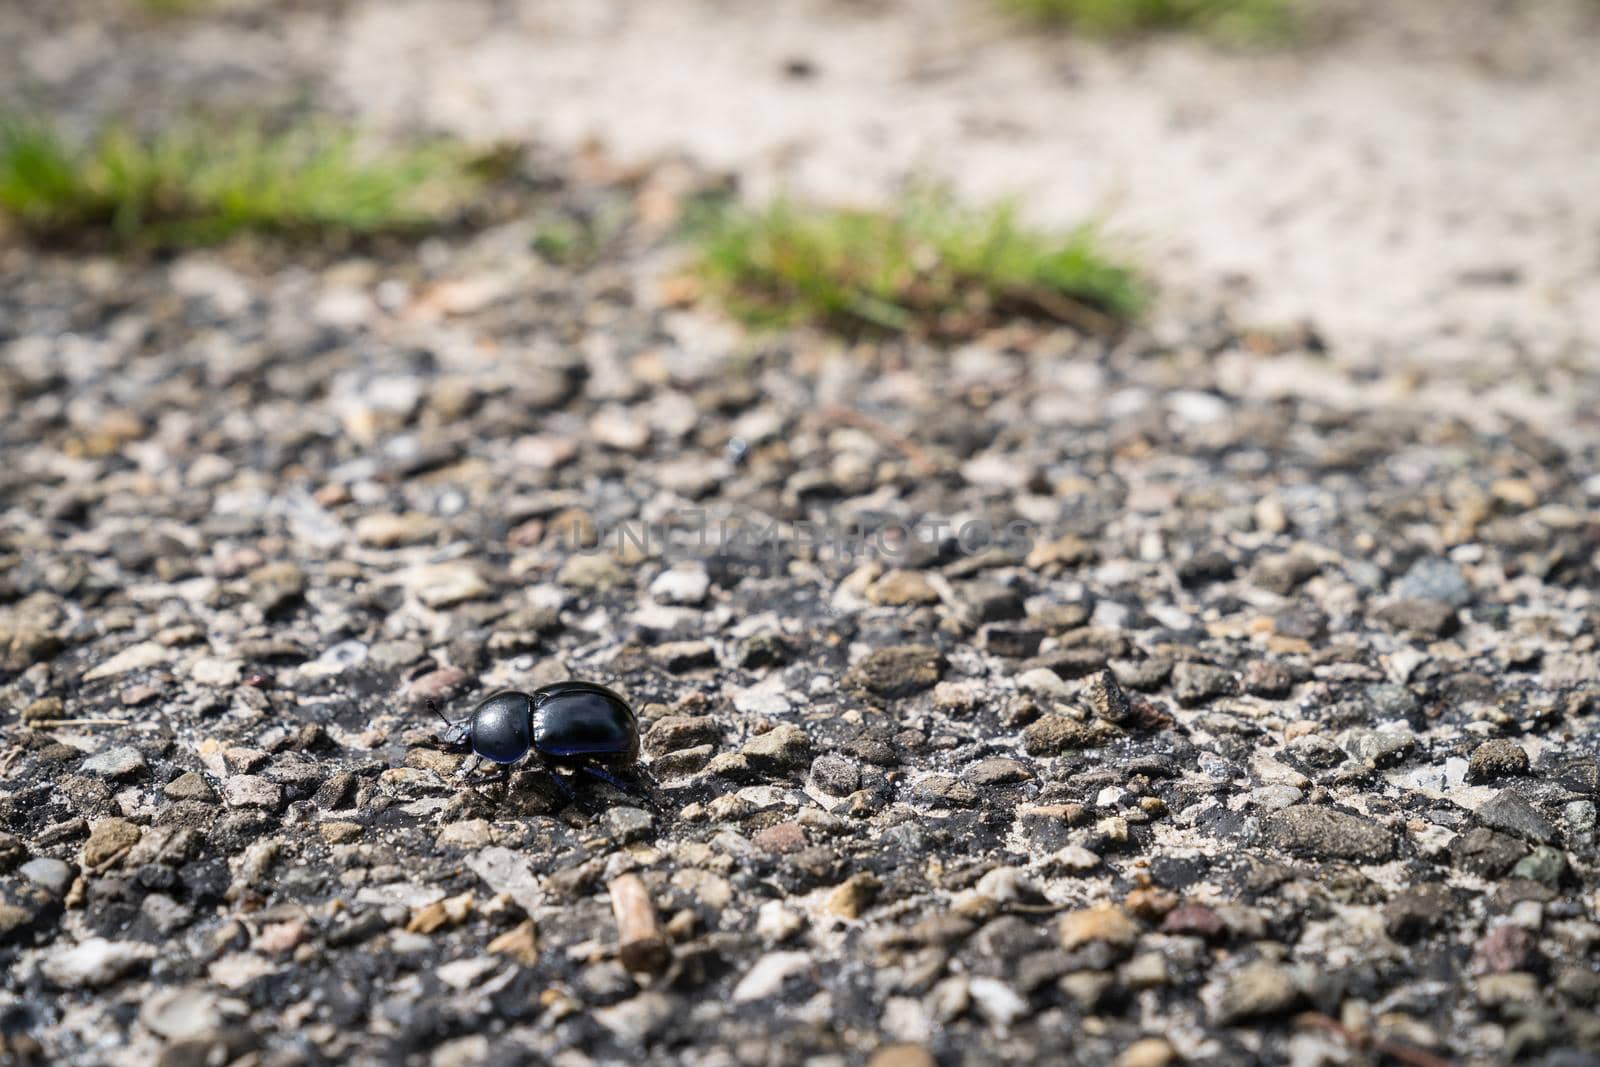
x: 641, y: 943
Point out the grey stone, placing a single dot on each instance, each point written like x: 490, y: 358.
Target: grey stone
x: 95, y: 962
x: 1196, y: 683
x: 1391, y: 701
x: 1485, y: 853
x: 673, y: 732
x: 275, y: 586
x: 252, y: 791
x: 1283, y: 574
x: 591, y: 573
x: 1513, y: 814
x: 51, y: 875
x: 678, y: 656
x: 1579, y: 816
x: 637, y: 1020
x: 1052, y: 735
x: 782, y: 749
x: 1424, y: 618
x: 1544, y: 864
x: 681, y: 762
x: 1380, y: 748
x: 443, y: 585
x: 392, y: 655
x: 1106, y: 699
x: 1257, y: 990
x: 997, y: 770
x: 765, y: 649
x: 1432, y: 578
x: 947, y: 789
x: 984, y: 601
x: 1059, y: 618
x: 1329, y: 834
x: 897, y: 671
x: 1416, y: 910
x: 835, y: 775
x: 1267, y: 678
x: 627, y: 824
x: 124, y: 761
x: 1497, y: 758
x: 1013, y: 642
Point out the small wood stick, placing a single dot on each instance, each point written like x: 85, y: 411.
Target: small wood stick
x: 642, y: 945
x: 110, y: 860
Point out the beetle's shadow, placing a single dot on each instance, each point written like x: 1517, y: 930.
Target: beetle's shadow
x: 536, y: 789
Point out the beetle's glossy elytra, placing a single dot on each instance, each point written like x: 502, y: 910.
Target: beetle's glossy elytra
x: 584, y: 722
x: 573, y: 723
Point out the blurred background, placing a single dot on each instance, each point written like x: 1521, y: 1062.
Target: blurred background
x: 1415, y: 180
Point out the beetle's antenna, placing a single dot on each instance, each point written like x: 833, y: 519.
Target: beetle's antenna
x: 433, y: 706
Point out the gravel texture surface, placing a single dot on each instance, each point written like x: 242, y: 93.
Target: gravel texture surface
x: 1185, y: 698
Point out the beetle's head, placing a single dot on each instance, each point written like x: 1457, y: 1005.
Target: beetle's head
x: 455, y: 733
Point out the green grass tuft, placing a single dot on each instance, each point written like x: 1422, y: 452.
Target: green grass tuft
x: 931, y: 267
x: 171, y: 8
x: 204, y: 182
x: 1241, y: 22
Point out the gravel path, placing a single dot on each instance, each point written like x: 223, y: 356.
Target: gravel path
x: 1230, y: 703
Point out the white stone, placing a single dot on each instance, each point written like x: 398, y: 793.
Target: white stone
x: 182, y: 1013
x: 95, y: 962
x: 144, y: 655
x: 336, y: 660
x: 766, y: 697
x: 506, y: 872
x: 239, y: 969
x: 466, y: 973
x: 776, y: 922
x: 681, y: 585
x: 213, y: 671
x: 1005, y: 884
x: 1270, y: 772
x: 996, y: 1001
x: 441, y: 585
x: 1275, y: 797
x: 1075, y: 859
x: 1044, y: 682
x: 767, y: 976
x: 639, y: 1018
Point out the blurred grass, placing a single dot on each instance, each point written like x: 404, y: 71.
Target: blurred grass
x: 1230, y: 21
x: 580, y: 239
x: 201, y: 182
x: 929, y: 267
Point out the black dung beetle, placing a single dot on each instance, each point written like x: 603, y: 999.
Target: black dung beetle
x: 572, y: 724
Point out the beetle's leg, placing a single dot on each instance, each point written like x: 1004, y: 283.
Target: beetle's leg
x: 498, y: 776
x: 562, y: 785
x: 634, y: 788
x: 607, y: 777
